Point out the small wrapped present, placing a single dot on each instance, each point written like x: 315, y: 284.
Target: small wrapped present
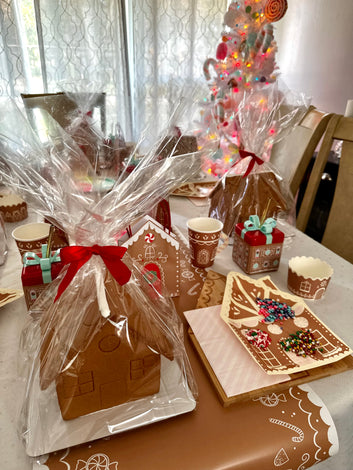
x: 38, y: 272
x: 257, y: 246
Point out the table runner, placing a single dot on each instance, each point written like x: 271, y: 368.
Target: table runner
x: 288, y: 430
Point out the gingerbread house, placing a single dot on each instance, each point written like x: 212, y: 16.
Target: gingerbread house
x: 157, y: 250
x: 110, y: 361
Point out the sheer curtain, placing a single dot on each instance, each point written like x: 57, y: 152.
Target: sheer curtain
x: 141, y: 52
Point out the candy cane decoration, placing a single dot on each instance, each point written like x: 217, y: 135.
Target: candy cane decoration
x: 220, y: 111
x: 300, y: 433
x: 258, y: 43
x: 268, y: 28
x: 263, y: 40
x: 206, y: 67
x: 149, y: 238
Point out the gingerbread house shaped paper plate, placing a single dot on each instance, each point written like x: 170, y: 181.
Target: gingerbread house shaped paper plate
x: 280, y: 351
x: 9, y: 295
x: 158, y: 252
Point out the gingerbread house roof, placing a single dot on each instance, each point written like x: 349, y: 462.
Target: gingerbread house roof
x: 152, y: 224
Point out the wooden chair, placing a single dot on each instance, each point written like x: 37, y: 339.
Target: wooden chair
x: 338, y: 234
x: 291, y: 156
x: 60, y: 106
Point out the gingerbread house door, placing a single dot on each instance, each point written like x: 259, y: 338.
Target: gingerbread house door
x: 153, y: 275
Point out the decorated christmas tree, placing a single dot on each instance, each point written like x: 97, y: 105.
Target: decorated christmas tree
x: 245, y: 60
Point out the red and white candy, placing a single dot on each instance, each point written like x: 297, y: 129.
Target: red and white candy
x: 149, y: 238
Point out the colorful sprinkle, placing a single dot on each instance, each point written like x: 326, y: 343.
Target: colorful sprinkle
x: 258, y: 338
x: 302, y: 343
x: 273, y: 311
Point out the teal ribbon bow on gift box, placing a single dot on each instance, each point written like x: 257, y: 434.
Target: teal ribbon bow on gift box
x: 254, y: 224
x: 31, y: 259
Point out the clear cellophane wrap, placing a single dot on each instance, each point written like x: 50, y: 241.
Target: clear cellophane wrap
x: 108, y: 354
x: 253, y: 186
x: 103, y: 143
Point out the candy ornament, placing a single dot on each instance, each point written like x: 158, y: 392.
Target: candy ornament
x: 275, y: 10
x: 206, y: 67
x: 221, y: 52
x: 268, y: 37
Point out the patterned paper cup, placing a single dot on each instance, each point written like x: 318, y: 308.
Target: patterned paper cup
x: 31, y: 237
x: 308, y: 277
x: 204, y: 235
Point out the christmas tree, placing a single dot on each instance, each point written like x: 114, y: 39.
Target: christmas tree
x: 245, y: 60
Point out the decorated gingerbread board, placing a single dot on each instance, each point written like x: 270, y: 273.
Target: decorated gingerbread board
x: 157, y: 250
x: 9, y: 295
x: 278, y: 329
x: 200, y: 189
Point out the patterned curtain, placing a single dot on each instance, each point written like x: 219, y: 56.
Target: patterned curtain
x: 141, y: 53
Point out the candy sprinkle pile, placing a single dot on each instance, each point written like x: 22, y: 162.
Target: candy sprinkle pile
x: 302, y: 343
x: 259, y: 338
x: 273, y: 310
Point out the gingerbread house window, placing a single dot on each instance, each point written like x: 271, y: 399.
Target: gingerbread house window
x: 305, y: 286
x: 139, y: 367
x: 150, y: 253
x: 109, y: 343
x: 79, y: 385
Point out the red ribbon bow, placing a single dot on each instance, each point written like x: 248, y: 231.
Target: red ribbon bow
x: 77, y: 256
x: 254, y: 159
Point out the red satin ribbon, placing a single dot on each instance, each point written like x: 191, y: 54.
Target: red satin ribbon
x: 254, y: 159
x: 77, y: 256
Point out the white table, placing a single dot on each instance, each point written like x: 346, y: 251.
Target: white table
x: 335, y: 310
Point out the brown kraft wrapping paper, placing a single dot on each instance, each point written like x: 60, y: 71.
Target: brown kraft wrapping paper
x: 284, y: 430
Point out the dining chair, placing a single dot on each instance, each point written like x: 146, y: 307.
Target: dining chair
x: 338, y: 233
x: 292, y: 155
x: 60, y: 106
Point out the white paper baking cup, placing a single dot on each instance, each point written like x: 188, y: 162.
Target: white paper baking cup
x: 308, y: 277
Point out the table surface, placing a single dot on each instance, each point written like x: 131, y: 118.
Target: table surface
x: 335, y: 310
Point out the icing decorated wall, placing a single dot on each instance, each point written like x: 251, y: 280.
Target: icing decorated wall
x: 315, y: 56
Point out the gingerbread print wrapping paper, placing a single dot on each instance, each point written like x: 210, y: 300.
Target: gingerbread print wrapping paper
x: 289, y: 430
x: 241, y: 312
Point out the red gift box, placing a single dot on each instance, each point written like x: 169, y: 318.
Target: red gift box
x: 257, y: 247
x: 256, y: 237
x: 33, y: 278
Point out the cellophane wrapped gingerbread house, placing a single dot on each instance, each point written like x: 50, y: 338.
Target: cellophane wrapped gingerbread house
x: 103, y: 350
x: 253, y: 186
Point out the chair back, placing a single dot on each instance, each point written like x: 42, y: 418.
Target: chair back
x: 291, y: 156
x: 338, y: 234
x: 60, y: 106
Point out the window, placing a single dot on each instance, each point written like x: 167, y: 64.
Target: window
x: 142, y: 52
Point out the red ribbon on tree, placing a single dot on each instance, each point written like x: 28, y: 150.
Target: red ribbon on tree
x: 77, y: 256
x: 254, y: 159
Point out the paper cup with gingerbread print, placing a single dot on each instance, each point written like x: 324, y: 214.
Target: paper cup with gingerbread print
x: 31, y: 237
x: 204, y: 236
x: 308, y: 277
